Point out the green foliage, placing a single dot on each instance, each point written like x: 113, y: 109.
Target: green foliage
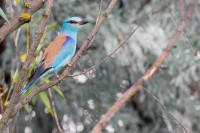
x: 56, y: 88
x: 3, y: 15
x: 27, y: 108
x: 17, y: 1
x: 50, y: 27
x: 46, y: 101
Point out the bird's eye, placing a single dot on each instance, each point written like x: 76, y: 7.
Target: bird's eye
x: 72, y: 22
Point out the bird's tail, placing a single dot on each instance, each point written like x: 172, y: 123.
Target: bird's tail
x: 39, y: 73
x: 30, y: 83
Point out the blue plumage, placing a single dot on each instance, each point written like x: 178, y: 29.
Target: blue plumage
x: 59, y: 52
x: 65, y: 54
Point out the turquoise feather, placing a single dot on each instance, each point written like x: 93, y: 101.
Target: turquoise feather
x: 70, y: 29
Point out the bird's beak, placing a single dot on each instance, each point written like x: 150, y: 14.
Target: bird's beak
x: 82, y: 22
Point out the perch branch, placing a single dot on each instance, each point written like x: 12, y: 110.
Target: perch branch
x: 8, y: 114
x: 66, y: 72
x: 138, y: 85
x: 16, y: 21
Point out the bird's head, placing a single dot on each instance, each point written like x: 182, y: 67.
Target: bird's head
x: 73, y: 24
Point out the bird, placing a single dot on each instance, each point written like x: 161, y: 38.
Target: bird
x: 59, y: 53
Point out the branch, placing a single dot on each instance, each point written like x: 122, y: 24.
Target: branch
x: 97, y: 20
x: 16, y: 21
x: 8, y: 114
x: 193, y: 50
x: 1, y: 104
x: 66, y: 72
x: 182, y: 8
x: 107, y: 57
x: 54, y: 111
x: 99, y: 10
x: 138, y: 85
x: 165, y: 108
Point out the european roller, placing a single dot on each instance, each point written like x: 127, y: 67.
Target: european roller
x: 59, y: 52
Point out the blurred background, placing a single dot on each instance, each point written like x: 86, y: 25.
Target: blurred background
x: 81, y: 100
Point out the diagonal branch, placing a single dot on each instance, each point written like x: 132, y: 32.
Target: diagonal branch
x: 66, y: 72
x: 165, y: 108
x: 107, y: 57
x: 138, y: 85
x: 15, y: 22
x: 8, y: 114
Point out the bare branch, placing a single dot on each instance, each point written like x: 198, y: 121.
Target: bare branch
x: 182, y: 8
x: 193, y: 50
x: 19, y: 86
x: 16, y: 21
x: 137, y: 86
x: 107, y: 57
x: 165, y: 108
x: 99, y: 10
x: 54, y: 111
x: 97, y: 20
x: 1, y: 104
x: 66, y: 72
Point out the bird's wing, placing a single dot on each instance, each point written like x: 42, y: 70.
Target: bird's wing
x: 65, y: 54
x: 48, y: 57
x: 52, y: 50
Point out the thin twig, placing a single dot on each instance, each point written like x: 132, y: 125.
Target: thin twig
x: 66, y: 72
x: 165, y: 108
x: 1, y: 103
x: 11, y: 11
x: 194, y: 51
x: 138, y: 84
x: 107, y: 57
x: 54, y: 111
x: 162, y: 7
x: 97, y: 20
x: 19, y: 86
x: 99, y: 10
